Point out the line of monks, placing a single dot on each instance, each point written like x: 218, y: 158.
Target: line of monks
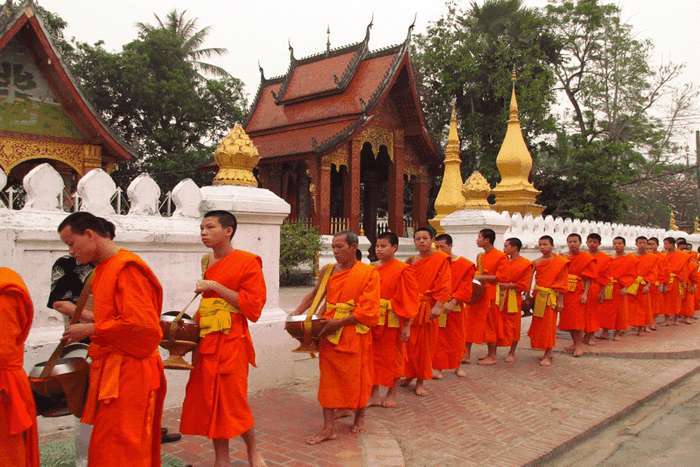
x: 386, y: 322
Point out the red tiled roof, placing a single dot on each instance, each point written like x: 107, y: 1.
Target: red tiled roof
x: 298, y: 141
x: 317, y: 77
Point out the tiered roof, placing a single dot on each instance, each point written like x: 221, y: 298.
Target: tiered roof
x: 24, y: 23
x: 325, y: 98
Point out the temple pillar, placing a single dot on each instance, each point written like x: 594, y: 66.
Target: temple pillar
x: 324, y: 199
x: 396, y: 186
x: 354, y: 171
x: 370, y: 204
x: 272, y: 180
x: 421, y: 188
x: 347, y: 194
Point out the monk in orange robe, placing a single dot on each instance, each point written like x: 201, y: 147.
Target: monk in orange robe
x: 19, y: 445
x: 514, y: 279
x: 127, y: 383
x: 484, y: 319
x: 688, y: 305
x: 582, y: 272
x: 675, y: 277
x: 622, y: 272
x: 449, y: 348
x: 639, y: 293
x: 397, y: 305
x: 595, y: 301
x: 655, y: 289
x: 551, y: 282
x: 233, y: 293
x: 345, y: 356
x: 433, y: 273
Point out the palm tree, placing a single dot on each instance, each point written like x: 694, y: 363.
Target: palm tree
x: 192, y: 40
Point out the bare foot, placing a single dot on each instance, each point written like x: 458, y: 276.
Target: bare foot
x: 569, y: 348
x: 374, y: 401
x: 653, y: 328
x: 590, y: 343
x: 460, y: 373
x: 437, y: 374
x: 256, y: 461
x: 687, y: 321
x: 616, y: 338
x: 420, y: 390
x: 405, y: 382
x: 604, y: 336
x: 484, y: 357
x: 389, y: 403
x: 324, y: 435
x: 546, y: 361
x: 466, y: 358
x: 487, y: 361
x: 359, y: 425
x: 510, y: 358
x: 578, y: 352
x: 342, y: 413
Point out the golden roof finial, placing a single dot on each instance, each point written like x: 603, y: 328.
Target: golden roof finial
x: 515, y: 193
x: 236, y: 156
x: 449, y: 198
x: 696, y: 225
x: 476, y: 191
x: 672, y: 221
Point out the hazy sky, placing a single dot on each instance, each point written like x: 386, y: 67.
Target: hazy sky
x: 259, y: 30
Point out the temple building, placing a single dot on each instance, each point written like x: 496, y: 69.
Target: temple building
x: 44, y: 116
x: 343, y: 139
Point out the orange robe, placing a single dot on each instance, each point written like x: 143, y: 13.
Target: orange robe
x: 346, y: 367
x: 688, y: 308
x: 434, y: 285
x: 19, y: 445
x: 581, y: 268
x: 216, y: 398
x: 127, y: 384
x: 594, y: 308
x: 519, y: 272
x: 551, y: 274
x: 397, y: 285
x: 449, y: 347
x: 621, y: 272
x: 640, y: 305
x: 655, y: 291
x: 675, y: 277
x: 484, y: 319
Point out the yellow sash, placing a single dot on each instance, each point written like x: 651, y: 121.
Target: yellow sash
x: 341, y: 311
x: 509, y: 298
x: 442, y: 318
x: 609, y: 288
x: 572, y: 282
x: 215, y: 316
x: 633, y: 288
x: 544, y: 297
x: 386, y: 310
x: 671, y: 279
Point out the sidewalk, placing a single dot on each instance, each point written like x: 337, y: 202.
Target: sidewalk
x: 501, y: 415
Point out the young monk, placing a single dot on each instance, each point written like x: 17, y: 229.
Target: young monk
x: 551, y: 282
x: 484, y: 320
x: 595, y: 301
x: 19, y: 444
x: 639, y: 292
x: 514, y: 278
x: 581, y: 272
x: 675, y: 275
x: 233, y: 293
x: 688, y: 305
x: 622, y: 271
x: 127, y: 385
x: 450, y: 342
x: 655, y: 288
x: 397, y: 305
x: 433, y: 273
x: 345, y: 357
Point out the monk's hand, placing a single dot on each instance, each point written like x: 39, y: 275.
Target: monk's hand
x: 204, y: 285
x: 435, y: 312
x: 623, y: 291
x: 405, y: 332
x: 331, y: 326
x: 646, y: 288
x: 78, y: 332
x: 584, y: 298
x: 64, y: 307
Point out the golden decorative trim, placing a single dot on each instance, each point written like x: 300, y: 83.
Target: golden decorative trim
x: 377, y: 137
x: 339, y: 158
x: 236, y: 156
x: 476, y: 191
x: 79, y: 157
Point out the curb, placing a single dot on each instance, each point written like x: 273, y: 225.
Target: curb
x: 562, y: 448
x: 670, y: 355
x: 380, y: 448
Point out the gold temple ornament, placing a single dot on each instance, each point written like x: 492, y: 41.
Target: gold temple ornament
x: 236, y: 156
x: 476, y: 191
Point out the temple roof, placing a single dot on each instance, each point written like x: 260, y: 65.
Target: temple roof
x: 24, y: 23
x: 325, y: 98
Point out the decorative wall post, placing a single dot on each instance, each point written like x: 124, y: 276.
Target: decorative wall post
x: 355, y: 170
x: 324, y: 192
x: 396, y: 185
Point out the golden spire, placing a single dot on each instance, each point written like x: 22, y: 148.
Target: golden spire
x: 672, y: 221
x: 449, y: 198
x: 236, y: 156
x: 515, y: 193
x: 476, y: 191
x: 696, y: 225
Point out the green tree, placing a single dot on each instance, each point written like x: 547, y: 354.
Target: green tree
x: 191, y: 39
x: 469, y: 55
x: 299, y: 247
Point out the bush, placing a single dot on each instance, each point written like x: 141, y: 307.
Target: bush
x: 299, y: 246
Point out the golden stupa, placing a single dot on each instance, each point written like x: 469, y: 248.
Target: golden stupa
x: 476, y: 191
x: 672, y: 222
x: 236, y: 156
x: 449, y: 198
x: 696, y: 225
x: 514, y: 193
